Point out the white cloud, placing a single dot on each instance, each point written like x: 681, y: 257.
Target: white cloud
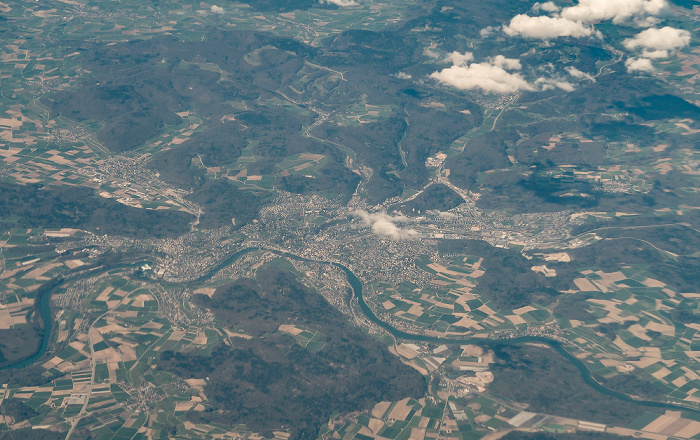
x: 491, y: 76
x: 497, y: 75
x: 506, y: 63
x: 639, y: 65
x: 658, y: 43
x: 341, y: 3
x: 385, y: 224
x: 645, y: 22
x: 546, y: 6
x: 485, y: 32
x: 459, y: 59
x: 656, y: 53
x: 579, y: 74
x: 618, y: 11
x: 552, y: 83
x: 443, y: 214
x: 403, y: 75
x: 217, y: 9
x: 545, y: 27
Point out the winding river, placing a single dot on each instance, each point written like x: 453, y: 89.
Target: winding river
x: 47, y: 321
x: 356, y: 285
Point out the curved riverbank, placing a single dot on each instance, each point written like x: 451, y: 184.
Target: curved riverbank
x: 42, y: 304
x: 586, y: 375
x: 356, y: 285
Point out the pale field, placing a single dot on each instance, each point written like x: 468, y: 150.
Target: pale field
x: 467, y: 322
x: 375, y: 425
x: 140, y: 300
x: 672, y: 424
x: 152, y: 325
x: 311, y: 156
x: 302, y: 166
x: 418, y: 433
x: 80, y: 347
x: 176, y: 335
x: 291, y: 329
x: 201, y: 339
x: 400, y: 410
x: 379, y: 409
x: 650, y: 282
x: 409, y: 351
x: 523, y: 310
x: 416, y: 309
x: 14, y: 314
x: 104, y: 295
x: 231, y: 334
x: 558, y: 256
x: 584, y: 285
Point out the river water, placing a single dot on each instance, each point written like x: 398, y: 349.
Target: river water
x: 356, y: 285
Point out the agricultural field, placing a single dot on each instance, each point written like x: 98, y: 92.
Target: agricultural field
x: 101, y: 376
x: 622, y: 324
x: 349, y: 219
x: 447, y: 306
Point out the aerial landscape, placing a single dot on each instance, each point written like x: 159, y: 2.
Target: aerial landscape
x: 349, y: 219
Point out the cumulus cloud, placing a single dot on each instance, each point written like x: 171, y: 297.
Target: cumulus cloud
x: 658, y: 43
x: 544, y: 27
x: 497, y: 75
x: 385, y: 225
x: 443, y: 214
x: 645, y: 22
x: 656, y: 53
x: 554, y: 83
x: 579, y: 74
x: 403, y: 75
x: 341, y: 3
x: 506, y: 63
x: 217, y: 9
x: 546, y: 6
x: 485, y: 32
x: 459, y: 59
x: 491, y: 76
x: 618, y: 11
x: 639, y: 65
